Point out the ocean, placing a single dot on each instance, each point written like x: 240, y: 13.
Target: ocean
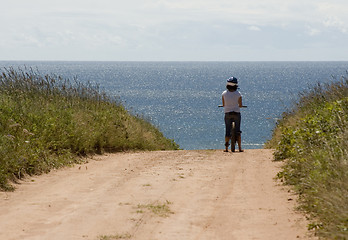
x: 182, y: 98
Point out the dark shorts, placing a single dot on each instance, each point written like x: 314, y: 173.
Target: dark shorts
x: 229, y: 119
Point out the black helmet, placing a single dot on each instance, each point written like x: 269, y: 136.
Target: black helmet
x: 232, y: 81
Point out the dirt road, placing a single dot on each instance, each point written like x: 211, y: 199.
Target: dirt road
x: 156, y: 196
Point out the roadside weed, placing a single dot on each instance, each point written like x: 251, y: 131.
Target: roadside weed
x: 159, y: 209
x: 312, y: 140
x: 47, y: 122
x: 115, y: 237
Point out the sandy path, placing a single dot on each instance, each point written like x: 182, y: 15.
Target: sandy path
x: 199, y: 194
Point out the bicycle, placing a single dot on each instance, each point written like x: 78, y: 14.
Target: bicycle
x: 233, y: 134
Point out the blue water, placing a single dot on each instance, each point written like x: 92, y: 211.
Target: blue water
x: 181, y: 98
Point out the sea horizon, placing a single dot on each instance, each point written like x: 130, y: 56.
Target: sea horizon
x: 181, y: 97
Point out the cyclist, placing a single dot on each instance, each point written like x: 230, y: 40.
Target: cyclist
x: 232, y: 102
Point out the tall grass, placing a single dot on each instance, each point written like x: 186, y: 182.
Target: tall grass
x: 312, y: 139
x: 47, y: 122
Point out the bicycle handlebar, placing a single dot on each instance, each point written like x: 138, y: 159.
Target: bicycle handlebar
x: 242, y: 106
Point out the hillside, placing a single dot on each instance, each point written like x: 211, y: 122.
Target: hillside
x: 312, y: 140
x: 47, y: 122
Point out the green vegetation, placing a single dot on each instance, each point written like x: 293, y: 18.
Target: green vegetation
x: 312, y: 140
x: 47, y: 122
x: 161, y: 210
x: 117, y: 236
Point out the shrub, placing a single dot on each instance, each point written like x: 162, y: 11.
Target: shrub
x: 313, y: 141
x: 47, y: 122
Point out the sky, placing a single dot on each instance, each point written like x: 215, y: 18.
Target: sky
x: 174, y: 30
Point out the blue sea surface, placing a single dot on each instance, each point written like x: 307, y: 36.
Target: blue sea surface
x: 182, y: 98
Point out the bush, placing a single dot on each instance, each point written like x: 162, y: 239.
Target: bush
x: 47, y: 122
x: 313, y: 142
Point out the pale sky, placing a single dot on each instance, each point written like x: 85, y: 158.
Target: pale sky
x: 174, y: 30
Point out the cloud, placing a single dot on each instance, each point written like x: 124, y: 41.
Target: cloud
x: 311, y: 31
x: 166, y: 29
x: 334, y: 22
x: 254, y: 28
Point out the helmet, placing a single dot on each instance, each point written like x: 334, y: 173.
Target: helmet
x: 232, y: 81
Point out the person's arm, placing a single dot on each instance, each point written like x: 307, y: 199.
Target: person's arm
x: 223, y: 101
x: 240, y: 102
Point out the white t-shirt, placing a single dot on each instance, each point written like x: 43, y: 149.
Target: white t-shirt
x: 231, y: 101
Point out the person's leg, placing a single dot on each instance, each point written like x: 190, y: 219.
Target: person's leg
x: 239, y: 133
x: 227, y: 140
x: 239, y: 140
x: 228, y: 127
x: 234, y: 120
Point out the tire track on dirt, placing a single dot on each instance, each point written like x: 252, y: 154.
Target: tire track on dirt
x: 206, y: 194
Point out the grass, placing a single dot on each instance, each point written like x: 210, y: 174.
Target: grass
x: 161, y: 210
x: 114, y: 237
x: 47, y: 122
x: 312, y: 140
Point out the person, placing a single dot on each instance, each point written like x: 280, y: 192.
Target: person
x: 232, y: 102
